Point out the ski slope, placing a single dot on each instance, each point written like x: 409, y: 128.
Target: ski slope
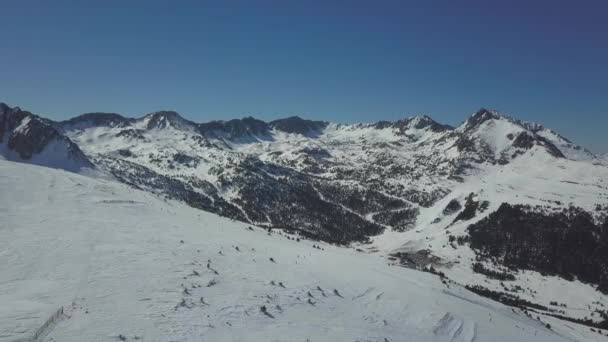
x: 125, y: 264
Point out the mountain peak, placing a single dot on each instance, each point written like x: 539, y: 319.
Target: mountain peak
x: 481, y: 116
x: 246, y: 127
x: 489, y: 135
x: 295, y: 124
x: 35, y: 140
x: 165, y: 113
x: 418, y: 122
x: 251, y: 120
x: 97, y: 119
x: 4, y: 107
x: 165, y: 119
x: 424, y: 121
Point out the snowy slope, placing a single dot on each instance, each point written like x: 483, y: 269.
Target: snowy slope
x: 383, y: 187
x: 27, y: 138
x: 551, y: 183
x: 343, y: 183
x: 126, y: 269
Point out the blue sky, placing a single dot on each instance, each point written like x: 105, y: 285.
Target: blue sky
x: 345, y: 61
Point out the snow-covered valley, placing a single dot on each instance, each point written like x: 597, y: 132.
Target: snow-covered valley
x: 506, y: 209
x: 125, y: 264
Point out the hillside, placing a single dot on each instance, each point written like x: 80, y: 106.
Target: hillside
x: 511, y: 209
x: 142, y: 268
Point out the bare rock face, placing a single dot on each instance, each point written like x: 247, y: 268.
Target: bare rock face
x: 234, y: 129
x: 28, y: 138
x: 96, y: 120
x: 165, y: 119
x: 295, y: 124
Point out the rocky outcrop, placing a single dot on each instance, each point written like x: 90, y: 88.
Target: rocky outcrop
x: 295, y: 124
x: 28, y: 138
x: 245, y: 128
x: 166, y: 119
x: 96, y: 120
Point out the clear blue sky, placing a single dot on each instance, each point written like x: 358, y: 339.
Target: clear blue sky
x: 345, y: 61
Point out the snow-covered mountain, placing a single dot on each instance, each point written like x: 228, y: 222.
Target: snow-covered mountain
x: 311, y: 176
x: 25, y: 137
x: 146, y: 269
x: 510, y: 209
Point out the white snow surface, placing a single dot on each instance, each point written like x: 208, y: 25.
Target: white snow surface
x: 120, y: 261
x: 533, y: 177
x: 56, y: 154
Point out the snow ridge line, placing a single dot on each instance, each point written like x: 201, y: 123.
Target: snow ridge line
x: 44, y: 328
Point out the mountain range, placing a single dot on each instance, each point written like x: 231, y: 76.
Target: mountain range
x: 512, y: 210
